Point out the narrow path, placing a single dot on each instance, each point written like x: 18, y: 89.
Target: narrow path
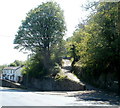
x: 66, y: 69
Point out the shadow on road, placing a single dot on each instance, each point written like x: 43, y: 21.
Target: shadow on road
x: 98, y: 96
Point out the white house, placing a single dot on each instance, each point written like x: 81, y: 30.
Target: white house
x: 12, y: 73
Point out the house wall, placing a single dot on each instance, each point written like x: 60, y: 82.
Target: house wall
x: 18, y: 75
x: 12, y: 74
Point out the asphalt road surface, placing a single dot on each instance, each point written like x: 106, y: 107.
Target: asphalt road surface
x: 17, y: 97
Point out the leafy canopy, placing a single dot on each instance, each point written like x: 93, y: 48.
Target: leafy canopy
x: 43, y: 27
x: 42, y: 33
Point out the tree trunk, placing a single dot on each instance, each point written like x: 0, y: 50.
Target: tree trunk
x: 46, y: 60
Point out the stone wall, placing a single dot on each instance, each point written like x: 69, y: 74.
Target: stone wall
x: 7, y: 83
x: 50, y: 84
x: 108, y: 81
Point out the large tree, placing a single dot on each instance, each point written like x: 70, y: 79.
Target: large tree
x: 43, y: 28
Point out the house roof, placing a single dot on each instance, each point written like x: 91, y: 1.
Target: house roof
x: 12, y: 68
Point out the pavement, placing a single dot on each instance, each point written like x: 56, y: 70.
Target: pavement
x: 20, y: 97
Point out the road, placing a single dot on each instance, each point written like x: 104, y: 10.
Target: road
x: 17, y: 97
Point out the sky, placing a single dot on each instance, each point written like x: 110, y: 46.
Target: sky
x: 12, y: 12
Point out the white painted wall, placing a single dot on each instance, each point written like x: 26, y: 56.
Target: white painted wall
x: 10, y: 72
x: 17, y: 74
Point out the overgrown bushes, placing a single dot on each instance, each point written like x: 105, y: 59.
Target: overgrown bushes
x: 97, y: 44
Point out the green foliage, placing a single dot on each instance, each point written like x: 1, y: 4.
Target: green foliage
x: 43, y: 27
x: 42, y: 33
x: 56, y: 69
x: 98, y: 42
x: 1, y: 68
x: 17, y: 63
x: 57, y: 52
x: 12, y: 65
x: 34, y: 68
x: 60, y: 76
